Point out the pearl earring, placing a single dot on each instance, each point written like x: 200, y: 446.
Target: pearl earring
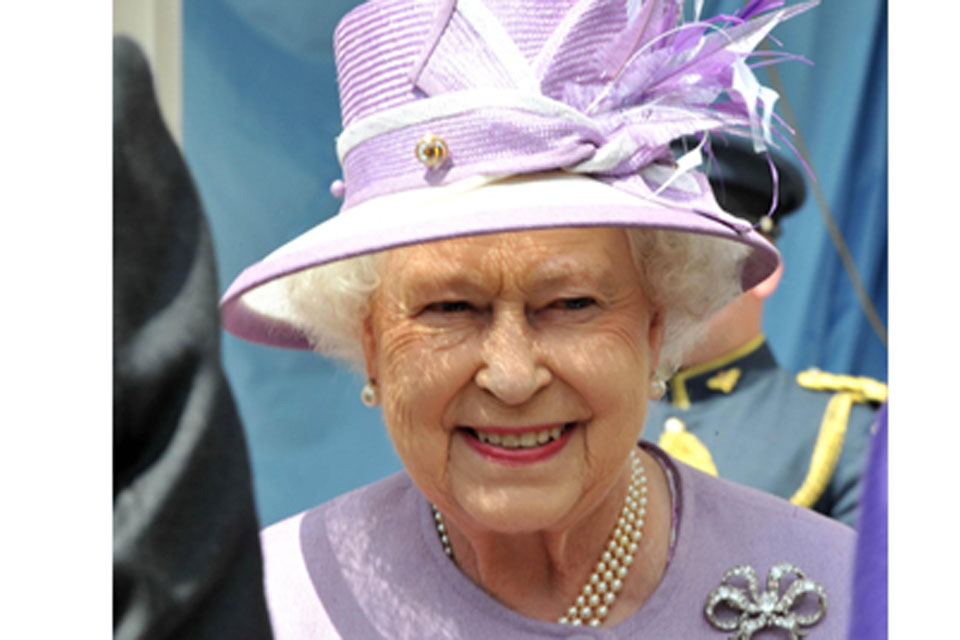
x: 369, y: 395
x: 658, y: 388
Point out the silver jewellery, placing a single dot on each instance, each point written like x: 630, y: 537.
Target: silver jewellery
x: 658, y: 387
x: 753, y: 610
x: 369, y: 395
x: 609, y: 574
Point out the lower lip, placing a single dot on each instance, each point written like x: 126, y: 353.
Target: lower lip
x: 518, y: 457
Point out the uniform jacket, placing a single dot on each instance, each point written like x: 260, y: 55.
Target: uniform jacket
x: 802, y: 437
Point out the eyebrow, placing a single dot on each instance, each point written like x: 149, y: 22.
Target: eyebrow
x: 557, y: 273
x: 429, y: 282
x: 553, y: 272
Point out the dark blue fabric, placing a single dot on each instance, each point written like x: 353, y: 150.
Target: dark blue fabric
x: 260, y: 117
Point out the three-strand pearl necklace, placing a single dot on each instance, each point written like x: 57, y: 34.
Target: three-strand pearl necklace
x: 600, y: 592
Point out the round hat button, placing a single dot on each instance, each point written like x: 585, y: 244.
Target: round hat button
x: 432, y: 150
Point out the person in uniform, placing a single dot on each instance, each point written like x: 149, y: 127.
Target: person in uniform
x: 732, y: 411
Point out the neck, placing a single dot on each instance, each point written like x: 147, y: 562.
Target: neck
x: 539, y: 574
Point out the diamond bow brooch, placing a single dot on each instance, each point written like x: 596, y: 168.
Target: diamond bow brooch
x: 751, y: 610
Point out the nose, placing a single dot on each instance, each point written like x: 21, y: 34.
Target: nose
x: 512, y: 369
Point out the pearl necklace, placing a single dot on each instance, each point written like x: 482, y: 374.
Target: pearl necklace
x: 600, y: 592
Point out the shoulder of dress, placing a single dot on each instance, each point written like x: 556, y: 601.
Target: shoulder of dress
x: 762, y: 511
x: 862, y: 388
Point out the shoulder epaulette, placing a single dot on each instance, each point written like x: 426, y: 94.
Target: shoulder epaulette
x: 846, y: 390
x: 863, y: 389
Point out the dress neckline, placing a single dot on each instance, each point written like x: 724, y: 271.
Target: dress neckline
x: 487, y: 605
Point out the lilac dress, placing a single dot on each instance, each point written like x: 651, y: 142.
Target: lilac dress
x: 369, y: 565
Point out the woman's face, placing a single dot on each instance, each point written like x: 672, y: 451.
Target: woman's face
x: 514, y: 371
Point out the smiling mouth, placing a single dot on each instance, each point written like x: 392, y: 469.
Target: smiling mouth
x: 525, y: 440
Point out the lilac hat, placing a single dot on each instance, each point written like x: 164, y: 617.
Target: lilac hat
x: 466, y: 117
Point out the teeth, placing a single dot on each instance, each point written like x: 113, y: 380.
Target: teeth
x: 520, y: 441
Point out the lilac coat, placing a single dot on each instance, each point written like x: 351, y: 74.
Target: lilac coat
x: 368, y: 565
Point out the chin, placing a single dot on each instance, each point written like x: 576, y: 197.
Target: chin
x: 517, y: 510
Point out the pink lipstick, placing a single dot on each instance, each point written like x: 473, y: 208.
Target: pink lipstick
x: 503, y: 444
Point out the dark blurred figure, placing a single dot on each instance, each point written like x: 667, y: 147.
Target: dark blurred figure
x: 186, y: 553
x: 731, y: 410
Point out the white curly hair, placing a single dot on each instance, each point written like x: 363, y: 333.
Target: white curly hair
x: 688, y: 276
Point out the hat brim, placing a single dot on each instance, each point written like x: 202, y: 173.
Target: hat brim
x: 255, y: 306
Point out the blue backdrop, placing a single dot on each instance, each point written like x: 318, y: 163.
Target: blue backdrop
x: 260, y: 115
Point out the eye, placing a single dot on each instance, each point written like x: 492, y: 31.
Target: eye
x: 449, y: 306
x: 573, y: 309
x: 574, y: 304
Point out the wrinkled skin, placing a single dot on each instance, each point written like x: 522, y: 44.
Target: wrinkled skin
x: 515, y: 330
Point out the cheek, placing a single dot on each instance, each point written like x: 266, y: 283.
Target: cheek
x: 600, y: 352
x: 609, y: 368
x: 415, y: 360
x: 421, y: 372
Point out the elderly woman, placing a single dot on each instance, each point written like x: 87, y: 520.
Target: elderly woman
x: 518, y: 264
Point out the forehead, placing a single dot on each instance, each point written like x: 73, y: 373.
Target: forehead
x: 525, y: 256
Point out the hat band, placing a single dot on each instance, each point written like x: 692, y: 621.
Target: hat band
x: 498, y: 132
